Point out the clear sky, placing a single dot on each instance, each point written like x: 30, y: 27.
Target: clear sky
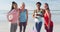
x: 30, y: 4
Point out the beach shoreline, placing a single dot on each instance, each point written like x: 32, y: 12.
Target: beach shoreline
x: 5, y: 27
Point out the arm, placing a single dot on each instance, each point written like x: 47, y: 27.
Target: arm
x: 49, y: 14
x: 43, y: 11
x: 27, y: 15
x: 33, y: 14
x: 18, y: 16
x: 49, y: 17
x: 9, y: 13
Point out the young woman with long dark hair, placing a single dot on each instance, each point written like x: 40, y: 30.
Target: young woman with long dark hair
x: 13, y: 17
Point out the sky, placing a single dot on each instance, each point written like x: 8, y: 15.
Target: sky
x: 30, y: 4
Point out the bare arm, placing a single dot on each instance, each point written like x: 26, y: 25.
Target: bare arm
x: 33, y: 14
x: 27, y: 15
x: 49, y: 19
x: 43, y: 11
x: 18, y: 22
x: 49, y: 16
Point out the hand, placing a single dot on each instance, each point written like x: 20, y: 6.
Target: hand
x: 18, y: 24
x: 47, y: 25
x: 26, y: 23
x: 38, y: 14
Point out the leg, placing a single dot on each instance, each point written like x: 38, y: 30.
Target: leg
x: 46, y: 28
x: 20, y: 27
x: 40, y: 25
x: 24, y: 25
x: 13, y: 27
x: 36, y: 26
x: 51, y: 29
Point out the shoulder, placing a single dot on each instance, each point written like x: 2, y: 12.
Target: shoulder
x: 11, y: 11
x: 43, y: 10
x: 26, y: 10
x: 19, y: 10
x: 35, y: 10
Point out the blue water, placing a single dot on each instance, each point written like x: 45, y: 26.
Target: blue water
x: 55, y: 16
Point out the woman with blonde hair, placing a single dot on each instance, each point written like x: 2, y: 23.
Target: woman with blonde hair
x: 23, y: 17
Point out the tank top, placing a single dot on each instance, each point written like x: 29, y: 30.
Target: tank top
x: 39, y: 18
x: 23, y: 16
x: 46, y: 18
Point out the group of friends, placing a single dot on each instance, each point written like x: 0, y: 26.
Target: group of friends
x: 19, y: 16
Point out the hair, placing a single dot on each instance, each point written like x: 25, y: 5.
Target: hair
x: 38, y: 3
x: 48, y: 6
x: 12, y: 5
x: 23, y: 3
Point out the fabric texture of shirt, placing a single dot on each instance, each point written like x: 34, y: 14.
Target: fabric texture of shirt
x: 23, y: 16
x: 14, y: 13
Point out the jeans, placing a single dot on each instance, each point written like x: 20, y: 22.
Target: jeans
x: 38, y: 26
x: 13, y: 27
x: 22, y: 24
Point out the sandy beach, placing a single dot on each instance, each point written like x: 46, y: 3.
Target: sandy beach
x: 5, y: 24
x: 5, y: 27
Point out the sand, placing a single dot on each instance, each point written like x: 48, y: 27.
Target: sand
x: 5, y: 27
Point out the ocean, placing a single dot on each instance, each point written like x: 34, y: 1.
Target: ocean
x: 55, y: 15
x: 5, y: 24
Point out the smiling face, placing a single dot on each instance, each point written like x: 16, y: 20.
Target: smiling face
x: 46, y: 6
x: 15, y: 6
x: 38, y: 6
x: 23, y: 6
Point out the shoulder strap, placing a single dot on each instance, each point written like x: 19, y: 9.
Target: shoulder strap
x: 35, y: 11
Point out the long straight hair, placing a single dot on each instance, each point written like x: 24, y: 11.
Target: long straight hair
x: 48, y: 6
x: 12, y: 7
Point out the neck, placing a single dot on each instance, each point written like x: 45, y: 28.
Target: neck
x: 38, y: 9
x: 22, y: 9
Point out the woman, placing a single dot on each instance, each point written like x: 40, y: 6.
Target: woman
x: 37, y: 15
x: 23, y: 17
x: 13, y: 17
x: 47, y: 17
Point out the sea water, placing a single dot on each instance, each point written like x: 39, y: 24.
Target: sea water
x: 55, y: 16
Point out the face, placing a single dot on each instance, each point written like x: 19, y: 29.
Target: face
x: 15, y: 6
x: 45, y: 6
x: 38, y: 6
x: 23, y: 6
